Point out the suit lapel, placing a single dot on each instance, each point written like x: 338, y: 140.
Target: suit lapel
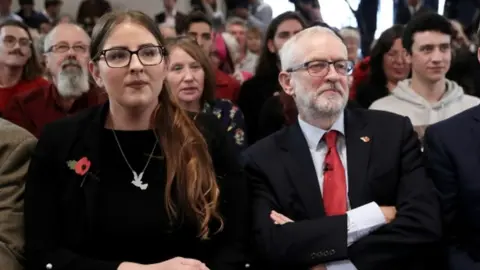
x: 476, y: 128
x: 359, y: 139
x: 303, y: 176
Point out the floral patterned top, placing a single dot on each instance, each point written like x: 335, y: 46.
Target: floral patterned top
x: 231, y: 117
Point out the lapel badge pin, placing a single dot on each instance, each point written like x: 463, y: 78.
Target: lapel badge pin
x: 365, y: 138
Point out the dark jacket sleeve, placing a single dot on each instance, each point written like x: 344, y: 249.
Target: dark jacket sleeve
x: 415, y: 233
x: 231, y: 249
x: 42, y: 218
x: 303, y: 243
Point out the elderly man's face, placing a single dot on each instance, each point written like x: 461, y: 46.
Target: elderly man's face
x: 67, y: 59
x: 319, y: 93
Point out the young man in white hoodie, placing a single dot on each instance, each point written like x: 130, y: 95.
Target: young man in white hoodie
x: 428, y: 97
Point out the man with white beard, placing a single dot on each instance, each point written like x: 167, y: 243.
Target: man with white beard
x: 67, y: 56
x: 341, y: 188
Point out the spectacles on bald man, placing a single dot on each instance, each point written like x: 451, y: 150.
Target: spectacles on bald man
x: 320, y: 68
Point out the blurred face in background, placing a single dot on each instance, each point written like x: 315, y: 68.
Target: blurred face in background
x: 352, y: 48
x: 15, y: 46
x: 394, y: 63
x: 67, y: 60
x: 284, y: 32
x: 254, y: 42
x: 185, y: 77
x: 202, y: 33
x: 240, y: 34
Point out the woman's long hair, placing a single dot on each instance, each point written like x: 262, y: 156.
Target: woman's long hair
x: 191, y: 190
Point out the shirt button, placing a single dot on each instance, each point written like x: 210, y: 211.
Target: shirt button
x: 49, y: 266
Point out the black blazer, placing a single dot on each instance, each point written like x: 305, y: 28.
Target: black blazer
x: 388, y: 170
x: 403, y: 15
x: 452, y: 150
x: 55, y: 195
x: 179, y: 21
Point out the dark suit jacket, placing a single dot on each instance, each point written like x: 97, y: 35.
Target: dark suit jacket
x: 403, y: 15
x: 388, y: 170
x: 60, y: 206
x: 179, y: 21
x: 452, y: 149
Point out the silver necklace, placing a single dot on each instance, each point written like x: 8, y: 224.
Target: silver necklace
x: 137, y: 178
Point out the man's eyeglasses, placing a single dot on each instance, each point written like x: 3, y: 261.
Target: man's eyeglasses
x: 320, y: 68
x: 121, y: 57
x: 64, y: 47
x: 11, y: 41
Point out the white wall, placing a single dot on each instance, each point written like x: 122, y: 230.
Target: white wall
x: 150, y: 7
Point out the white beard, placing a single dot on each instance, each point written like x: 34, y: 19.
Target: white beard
x: 314, y: 106
x: 72, y: 83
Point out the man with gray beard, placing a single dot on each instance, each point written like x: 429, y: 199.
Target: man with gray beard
x: 66, y: 57
x: 341, y: 188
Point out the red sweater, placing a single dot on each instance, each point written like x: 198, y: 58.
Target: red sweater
x: 23, y: 86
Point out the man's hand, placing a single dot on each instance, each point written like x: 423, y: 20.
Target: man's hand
x: 279, y: 219
x: 319, y: 267
x: 389, y: 212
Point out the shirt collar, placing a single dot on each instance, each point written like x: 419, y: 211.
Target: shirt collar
x: 173, y: 13
x: 313, y: 134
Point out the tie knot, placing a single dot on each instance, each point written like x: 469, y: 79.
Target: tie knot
x: 331, y: 138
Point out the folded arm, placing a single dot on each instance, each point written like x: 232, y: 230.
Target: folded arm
x: 302, y: 243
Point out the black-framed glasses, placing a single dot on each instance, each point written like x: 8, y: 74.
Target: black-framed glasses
x: 11, y: 41
x: 64, y: 47
x: 320, y: 68
x: 121, y: 57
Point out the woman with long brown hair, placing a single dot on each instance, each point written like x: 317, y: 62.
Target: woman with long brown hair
x: 192, y: 80
x: 137, y: 183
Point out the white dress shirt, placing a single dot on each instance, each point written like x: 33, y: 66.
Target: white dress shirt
x: 170, y: 18
x: 361, y: 220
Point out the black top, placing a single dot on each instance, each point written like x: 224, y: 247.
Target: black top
x: 136, y: 216
x: 97, y: 220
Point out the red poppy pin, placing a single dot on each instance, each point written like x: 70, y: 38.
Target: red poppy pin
x: 81, y: 166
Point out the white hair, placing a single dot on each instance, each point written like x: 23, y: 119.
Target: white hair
x: 289, y: 53
x: 349, y: 32
x: 232, y: 46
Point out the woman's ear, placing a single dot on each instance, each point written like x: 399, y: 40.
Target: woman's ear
x: 94, y: 70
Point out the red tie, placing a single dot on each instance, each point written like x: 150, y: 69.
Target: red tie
x: 334, y: 183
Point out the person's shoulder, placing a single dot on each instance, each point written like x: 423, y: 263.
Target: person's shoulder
x: 376, y: 117
x: 13, y: 134
x: 470, y: 101
x: 265, y: 148
x: 458, y: 123
x: 68, y: 126
x: 384, y: 103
